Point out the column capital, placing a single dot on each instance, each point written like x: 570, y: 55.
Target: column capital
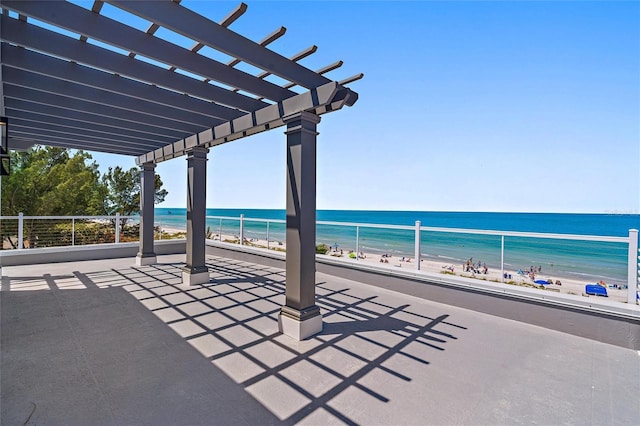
x: 303, y: 122
x: 302, y: 115
x: 303, y: 119
x: 148, y: 166
x: 197, y: 152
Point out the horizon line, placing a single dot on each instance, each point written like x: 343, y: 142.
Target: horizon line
x: 606, y: 212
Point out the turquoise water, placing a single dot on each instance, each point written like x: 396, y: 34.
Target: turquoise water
x: 565, y: 258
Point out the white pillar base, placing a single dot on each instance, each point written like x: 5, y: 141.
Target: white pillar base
x: 146, y: 260
x: 192, y: 279
x: 299, y: 330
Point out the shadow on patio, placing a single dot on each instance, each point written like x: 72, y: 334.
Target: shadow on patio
x: 108, y: 346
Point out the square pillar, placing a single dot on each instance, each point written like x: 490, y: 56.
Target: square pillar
x: 146, y: 254
x: 196, y: 271
x: 300, y: 317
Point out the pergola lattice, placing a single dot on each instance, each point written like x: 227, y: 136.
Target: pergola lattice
x: 75, y: 77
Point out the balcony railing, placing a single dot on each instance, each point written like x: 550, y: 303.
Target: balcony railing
x: 609, y: 260
x: 584, y: 257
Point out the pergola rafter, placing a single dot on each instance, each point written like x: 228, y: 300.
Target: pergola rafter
x: 32, y: 62
x: 90, y: 119
x: 192, y: 25
x: 79, y: 20
x: 26, y: 118
x: 55, y: 44
x: 21, y: 78
x: 65, y: 103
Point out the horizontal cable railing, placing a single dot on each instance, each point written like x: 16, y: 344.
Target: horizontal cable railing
x: 27, y: 232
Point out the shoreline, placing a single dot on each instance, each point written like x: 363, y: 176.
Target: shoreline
x: 569, y: 285
x: 581, y: 260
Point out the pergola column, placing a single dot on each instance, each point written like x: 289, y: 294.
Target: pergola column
x: 196, y: 271
x: 300, y: 317
x: 146, y: 254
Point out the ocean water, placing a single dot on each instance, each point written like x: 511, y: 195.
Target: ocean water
x: 586, y: 260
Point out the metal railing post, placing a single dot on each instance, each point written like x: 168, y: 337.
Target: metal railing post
x: 241, y: 229
x: 73, y: 231
x: 220, y: 230
x: 417, y: 245
x: 502, y: 259
x: 267, y: 235
x: 357, y: 242
x: 632, y: 273
x: 160, y: 232
x: 20, y: 230
x: 117, y: 240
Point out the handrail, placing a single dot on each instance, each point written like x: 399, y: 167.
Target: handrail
x: 368, y: 225
x: 600, y: 238
x: 232, y: 218
x: 579, y: 237
x: 66, y: 217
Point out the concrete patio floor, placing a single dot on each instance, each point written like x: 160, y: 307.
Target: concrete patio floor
x: 104, y: 342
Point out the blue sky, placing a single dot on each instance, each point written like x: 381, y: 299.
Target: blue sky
x: 465, y: 106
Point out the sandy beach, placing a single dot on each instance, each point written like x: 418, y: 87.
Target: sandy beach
x: 566, y: 285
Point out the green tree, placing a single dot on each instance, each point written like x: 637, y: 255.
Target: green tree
x: 123, y: 191
x: 49, y: 181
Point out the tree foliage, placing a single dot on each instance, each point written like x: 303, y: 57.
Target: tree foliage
x: 49, y: 181
x: 123, y: 190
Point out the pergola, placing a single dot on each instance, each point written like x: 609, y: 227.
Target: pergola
x: 75, y: 77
